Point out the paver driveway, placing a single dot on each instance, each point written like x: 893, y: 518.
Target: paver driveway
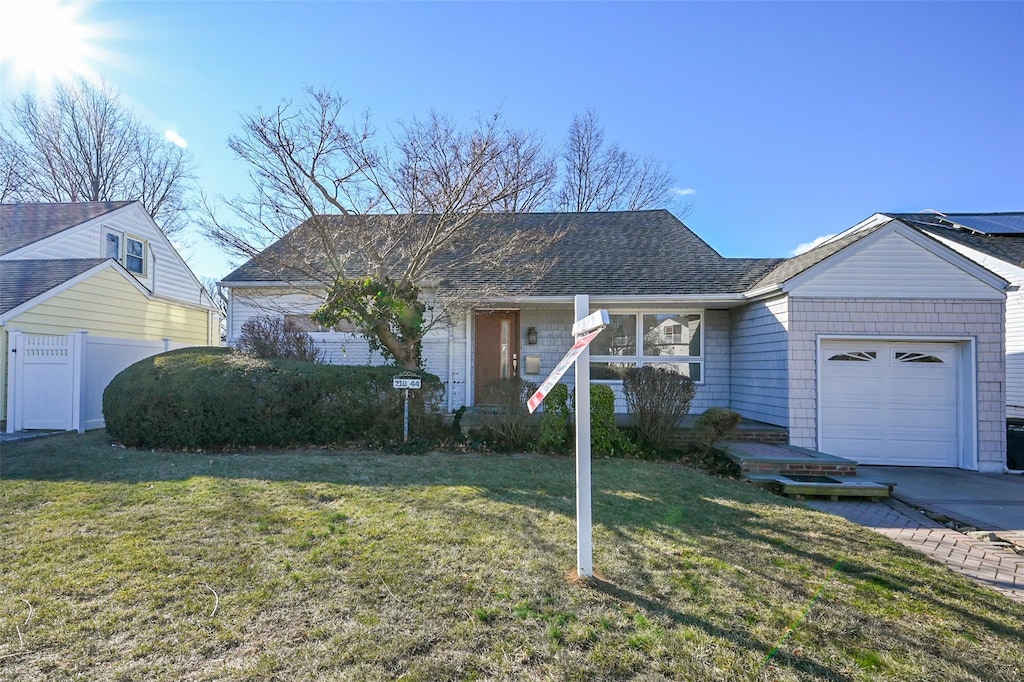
x: 994, y: 566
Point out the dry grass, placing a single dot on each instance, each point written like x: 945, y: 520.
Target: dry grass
x: 125, y: 565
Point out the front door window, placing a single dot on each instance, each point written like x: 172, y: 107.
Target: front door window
x: 495, y: 347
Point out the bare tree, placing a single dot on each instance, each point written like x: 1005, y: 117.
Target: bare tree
x: 381, y: 216
x: 83, y: 144
x: 10, y: 170
x: 603, y: 177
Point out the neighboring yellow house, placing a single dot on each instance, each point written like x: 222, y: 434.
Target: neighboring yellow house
x: 105, y: 269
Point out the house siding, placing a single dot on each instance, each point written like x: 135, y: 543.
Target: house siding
x: 340, y: 348
x: 890, y: 318
x: 1014, y: 323
x: 891, y: 266
x: 108, y: 305
x: 759, y: 349
x: 166, y: 273
x: 1015, y: 352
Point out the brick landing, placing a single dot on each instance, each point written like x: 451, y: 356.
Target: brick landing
x: 762, y: 458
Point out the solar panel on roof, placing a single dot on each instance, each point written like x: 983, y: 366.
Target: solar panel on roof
x: 1000, y: 223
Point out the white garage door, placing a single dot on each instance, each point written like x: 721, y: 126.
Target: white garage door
x: 889, y: 402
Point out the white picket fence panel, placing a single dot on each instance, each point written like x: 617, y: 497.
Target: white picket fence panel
x: 57, y: 382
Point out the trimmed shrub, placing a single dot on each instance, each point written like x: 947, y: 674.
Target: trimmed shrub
x: 715, y: 424
x: 657, y: 399
x: 269, y: 336
x: 556, y: 421
x: 605, y: 437
x: 506, y: 419
x: 214, y: 398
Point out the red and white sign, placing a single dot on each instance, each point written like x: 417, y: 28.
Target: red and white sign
x: 561, y: 368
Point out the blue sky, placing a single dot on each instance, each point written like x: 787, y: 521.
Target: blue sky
x: 788, y: 120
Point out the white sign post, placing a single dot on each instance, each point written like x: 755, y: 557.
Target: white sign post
x: 584, y: 518
x: 406, y: 381
x: 586, y: 328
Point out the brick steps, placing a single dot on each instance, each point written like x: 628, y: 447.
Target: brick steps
x: 789, y: 470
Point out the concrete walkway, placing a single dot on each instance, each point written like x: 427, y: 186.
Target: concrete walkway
x: 26, y: 435
x: 993, y: 566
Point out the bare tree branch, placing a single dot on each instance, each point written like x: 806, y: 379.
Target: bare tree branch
x: 600, y: 177
x: 379, y: 219
x: 83, y: 144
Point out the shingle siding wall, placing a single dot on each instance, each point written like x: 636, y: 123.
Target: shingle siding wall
x: 554, y: 337
x: 759, y: 361
x: 886, y: 318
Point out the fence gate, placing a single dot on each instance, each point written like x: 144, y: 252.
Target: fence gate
x: 43, y: 382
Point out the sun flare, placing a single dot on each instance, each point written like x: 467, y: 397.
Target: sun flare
x: 46, y: 40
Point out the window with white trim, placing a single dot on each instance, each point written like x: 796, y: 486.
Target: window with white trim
x: 135, y: 255
x: 670, y: 340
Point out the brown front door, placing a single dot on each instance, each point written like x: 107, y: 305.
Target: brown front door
x: 497, y: 347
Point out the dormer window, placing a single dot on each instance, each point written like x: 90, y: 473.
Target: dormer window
x: 112, y: 246
x: 135, y: 256
x: 127, y: 250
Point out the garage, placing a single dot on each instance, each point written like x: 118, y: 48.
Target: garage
x: 890, y: 402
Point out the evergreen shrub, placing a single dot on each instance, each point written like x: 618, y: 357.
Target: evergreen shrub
x: 216, y: 398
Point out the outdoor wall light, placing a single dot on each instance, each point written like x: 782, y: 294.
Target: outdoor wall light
x: 531, y: 336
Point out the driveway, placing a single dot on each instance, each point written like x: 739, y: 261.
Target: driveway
x: 986, y: 501
x: 989, y: 502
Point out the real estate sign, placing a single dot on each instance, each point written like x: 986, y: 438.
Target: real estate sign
x: 560, y: 369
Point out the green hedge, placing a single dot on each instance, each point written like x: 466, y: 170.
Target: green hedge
x: 215, y: 398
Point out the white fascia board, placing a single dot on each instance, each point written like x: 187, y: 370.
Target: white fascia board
x: 64, y: 286
x: 692, y: 300
x: 1012, y: 269
x: 930, y: 245
x: 872, y: 221
x: 264, y: 284
x: 281, y: 284
x: 954, y: 257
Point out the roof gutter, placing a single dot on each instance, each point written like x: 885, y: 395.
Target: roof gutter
x: 720, y: 299
x: 766, y: 291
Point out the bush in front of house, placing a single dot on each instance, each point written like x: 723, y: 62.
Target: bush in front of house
x: 216, y: 398
x: 713, y: 425
x: 605, y: 437
x: 657, y: 399
x: 270, y: 336
x: 504, y: 415
x: 556, y: 433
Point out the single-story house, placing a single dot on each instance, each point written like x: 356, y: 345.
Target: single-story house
x: 85, y: 290
x: 884, y: 345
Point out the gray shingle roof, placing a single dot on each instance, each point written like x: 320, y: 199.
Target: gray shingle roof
x: 23, y: 224
x: 633, y: 253
x: 23, y: 280
x: 1005, y: 247
x: 790, y: 268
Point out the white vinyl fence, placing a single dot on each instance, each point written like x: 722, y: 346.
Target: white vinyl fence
x: 57, y: 382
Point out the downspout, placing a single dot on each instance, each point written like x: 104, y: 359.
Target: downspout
x: 451, y: 367
x: 469, y: 358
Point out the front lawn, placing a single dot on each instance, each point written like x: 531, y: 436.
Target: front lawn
x: 309, y: 564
